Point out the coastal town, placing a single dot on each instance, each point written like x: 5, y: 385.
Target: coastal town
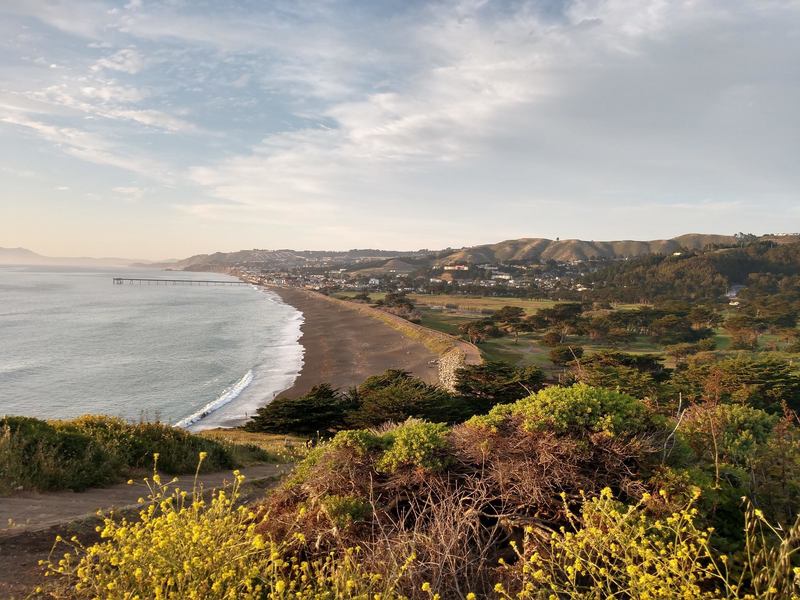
x: 397, y: 275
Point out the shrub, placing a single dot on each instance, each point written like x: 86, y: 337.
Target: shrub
x: 561, y: 355
x: 416, y: 444
x: 96, y: 450
x: 345, y: 510
x: 619, y: 551
x: 184, y: 547
x: 575, y: 409
x: 36, y: 455
x: 728, y: 433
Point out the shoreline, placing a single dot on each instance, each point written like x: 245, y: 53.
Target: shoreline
x: 342, y: 347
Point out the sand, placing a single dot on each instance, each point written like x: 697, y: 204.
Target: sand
x: 343, y: 347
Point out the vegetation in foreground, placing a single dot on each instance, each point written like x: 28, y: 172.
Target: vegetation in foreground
x: 571, y: 492
x: 96, y: 450
x: 394, y: 396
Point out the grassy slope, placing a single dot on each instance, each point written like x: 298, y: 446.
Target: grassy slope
x: 279, y: 448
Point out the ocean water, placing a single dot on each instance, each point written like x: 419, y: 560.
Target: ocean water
x: 72, y: 343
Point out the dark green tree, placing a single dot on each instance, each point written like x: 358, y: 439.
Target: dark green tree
x: 482, y: 386
x: 322, y: 409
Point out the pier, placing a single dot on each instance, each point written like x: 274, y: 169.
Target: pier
x: 153, y: 281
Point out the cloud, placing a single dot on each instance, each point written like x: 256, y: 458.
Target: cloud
x: 86, y: 146
x: 130, y: 193
x: 607, y: 94
x: 464, y: 111
x: 127, y: 60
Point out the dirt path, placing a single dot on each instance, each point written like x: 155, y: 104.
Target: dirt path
x: 30, y: 512
x: 29, y: 522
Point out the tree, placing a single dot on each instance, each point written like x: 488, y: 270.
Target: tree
x: 482, y: 386
x: 478, y: 331
x: 508, y: 314
x: 396, y: 395
x: 511, y: 319
x: 674, y: 329
x: 561, y: 355
x: 638, y: 375
x: 322, y: 409
x: 764, y: 383
x: 745, y: 331
x: 552, y: 338
x: 703, y: 316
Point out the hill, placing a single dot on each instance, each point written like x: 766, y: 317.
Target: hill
x: 524, y: 250
x: 23, y: 256
x: 771, y: 266
x: 541, y: 249
x: 286, y: 259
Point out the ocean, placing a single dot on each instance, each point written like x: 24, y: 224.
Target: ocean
x: 72, y: 343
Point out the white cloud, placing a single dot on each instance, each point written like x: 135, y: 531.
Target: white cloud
x: 86, y: 146
x: 555, y: 110
x: 127, y: 60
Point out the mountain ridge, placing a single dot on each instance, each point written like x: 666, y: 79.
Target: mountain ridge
x: 24, y: 256
x: 521, y: 249
x: 543, y: 249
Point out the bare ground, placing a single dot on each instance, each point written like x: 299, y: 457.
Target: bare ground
x: 29, y: 522
x: 343, y: 346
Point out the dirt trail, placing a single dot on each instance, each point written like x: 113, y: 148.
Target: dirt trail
x: 30, y: 522
x: 29, y: 512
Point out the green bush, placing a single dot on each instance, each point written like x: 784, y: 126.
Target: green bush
x: 134, y: 444
x: 36, y: 455
x: 96, y: 450
x: 416, y: 444
x: 345, y: 510
x: 575, y: 409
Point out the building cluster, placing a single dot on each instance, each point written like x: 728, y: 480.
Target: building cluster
x: 450, y: 278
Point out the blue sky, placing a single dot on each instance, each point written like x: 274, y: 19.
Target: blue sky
x: 162, y: 128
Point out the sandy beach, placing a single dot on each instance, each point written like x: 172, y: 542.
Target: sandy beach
x: 343, y: 347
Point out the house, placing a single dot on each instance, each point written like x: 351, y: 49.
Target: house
x: 456, y: 267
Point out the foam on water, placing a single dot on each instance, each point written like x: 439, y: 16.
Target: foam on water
x: 197, y: 356
x: 227, y: 396
x: 277, y: 369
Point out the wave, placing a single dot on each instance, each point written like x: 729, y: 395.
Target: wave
x: 229, y: 395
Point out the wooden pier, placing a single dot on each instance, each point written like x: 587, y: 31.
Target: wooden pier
x: 153, y: 281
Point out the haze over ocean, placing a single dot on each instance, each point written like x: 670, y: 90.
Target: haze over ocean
x: 73, y: 343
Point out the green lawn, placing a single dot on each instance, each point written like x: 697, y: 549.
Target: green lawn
x: 479, y: 303
x: 443, y: 321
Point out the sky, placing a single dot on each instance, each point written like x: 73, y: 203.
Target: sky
x: 163, y: 128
